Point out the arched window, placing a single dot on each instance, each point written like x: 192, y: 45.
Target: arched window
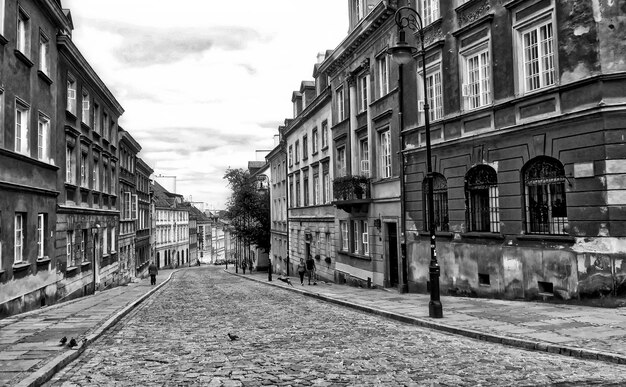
x: 481, y: 195
x: 544, y: 196
x: 440, y: 202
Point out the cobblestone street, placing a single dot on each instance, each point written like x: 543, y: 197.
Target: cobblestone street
x: 179, y: 336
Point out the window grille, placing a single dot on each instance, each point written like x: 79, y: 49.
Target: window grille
x: 481, y: 192
x: 440, y: 202
x: 546, y: 205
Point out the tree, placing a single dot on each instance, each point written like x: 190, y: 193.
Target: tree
x: 248, y: 209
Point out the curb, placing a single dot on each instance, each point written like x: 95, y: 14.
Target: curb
x: 46, y: 372
x: 540, y: 346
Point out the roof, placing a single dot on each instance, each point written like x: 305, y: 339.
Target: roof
x: 163, y: 197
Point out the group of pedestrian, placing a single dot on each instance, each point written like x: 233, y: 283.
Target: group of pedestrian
x: 308, y: 268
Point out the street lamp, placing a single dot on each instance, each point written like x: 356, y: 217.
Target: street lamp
x: 403, y: 53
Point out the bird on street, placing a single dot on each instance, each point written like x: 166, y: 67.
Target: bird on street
x: 63, y: 340
x: 72, y: 343
x: 233, y: 337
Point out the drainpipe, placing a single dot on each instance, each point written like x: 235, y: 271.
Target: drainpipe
x: 404, y: 287
x: 287, y: 199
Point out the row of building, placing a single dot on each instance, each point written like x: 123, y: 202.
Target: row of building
x: 79, y: 211
x: 527, y: 120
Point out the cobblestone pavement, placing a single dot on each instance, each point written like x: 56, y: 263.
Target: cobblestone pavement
x: 179, y: 337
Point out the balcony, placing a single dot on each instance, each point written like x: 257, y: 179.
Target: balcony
x: 352, y: 193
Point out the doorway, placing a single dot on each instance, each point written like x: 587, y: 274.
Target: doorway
x: 392, y: 257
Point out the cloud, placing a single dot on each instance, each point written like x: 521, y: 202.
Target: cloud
x: 147, y: 46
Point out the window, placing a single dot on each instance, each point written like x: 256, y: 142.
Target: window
x: 326, y: 183
x: 316, y: 186
x: 18, y: 241
x: 440, y: 202
x: 385, y: 154
x: 71, y: 96
x: 83, y: 169
x: 43, y: 135
x: 341, y: 113
x: 430, y: 11
x: 343, y: 226
x: 113, y: 239
x: 364, y: 158
x: 476, y: 90
x: 297, y: 150
x: 298, y: 190
x: 324, y: 134
x: 85, y: 117
x: 538, y: 51
x: 290, y: 155
x: 362, y: 93
x: 383, y: 75
x: 341, y: 161
x: 434, y: 91
x: 314, y: 136
x: 96, y: 117
x: 2, y: 5
x: 105, y: 241
x: 305, y: 147
x: 305, y: 182
x: 359, y: 9
x: 356, y: 238
x: 23, y: 32
x: 291, y: 192
x: 105, y: 130
x: 544, y: 191
x: 83, y: 244
x: 69, y: 243
x: 41, y: 235
x: 70, y: 163
x: 365, y: 237
x: 22, y: 143
x: 481, y: 194
x: 134, y: 205
x: 44, y: 54
x: 96, y: 175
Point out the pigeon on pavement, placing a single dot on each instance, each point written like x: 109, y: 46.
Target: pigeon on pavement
x: 233, y: 337
x: 63, y: 340
x: 72, y: 343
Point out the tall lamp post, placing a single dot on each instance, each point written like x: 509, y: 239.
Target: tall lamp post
x: 403, y: 53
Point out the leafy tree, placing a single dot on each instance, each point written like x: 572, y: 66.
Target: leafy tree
x: 248, y: 209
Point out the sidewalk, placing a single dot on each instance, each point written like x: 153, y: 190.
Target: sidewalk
x: 572, y: 330
x: 30, y: 352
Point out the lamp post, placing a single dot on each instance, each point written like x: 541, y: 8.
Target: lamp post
x: 402, y: 53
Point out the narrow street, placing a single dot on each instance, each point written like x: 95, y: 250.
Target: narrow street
x: 179, y: 336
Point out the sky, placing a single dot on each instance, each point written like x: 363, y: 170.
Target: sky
x: 205, y: 83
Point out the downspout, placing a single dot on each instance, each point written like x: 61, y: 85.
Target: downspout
x: 404, y: 287
x: 288, y: 204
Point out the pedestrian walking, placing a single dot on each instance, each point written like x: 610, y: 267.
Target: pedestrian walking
x: 301, y: 270
x: 310, y: 268
x: 153, y: 271
x: 243, y: 267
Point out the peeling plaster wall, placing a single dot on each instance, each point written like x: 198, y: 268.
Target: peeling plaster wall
x: 610, y: 19
x: 577, y: 41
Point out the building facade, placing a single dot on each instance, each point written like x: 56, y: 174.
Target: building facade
x: 88, y: 205
x: 311, y: 219
x: 143, y: 245
x: 526, y: 104
x: 277, y: 160
x: 172, y: 229
x: 129, y: 205
x: 29, y: 275
x: 365, y: 143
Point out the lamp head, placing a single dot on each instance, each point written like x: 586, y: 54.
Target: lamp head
x: 402, y: 52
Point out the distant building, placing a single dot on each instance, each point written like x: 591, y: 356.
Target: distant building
x: 129, y: 205
x: 279, y: 253
x: 311, y: 219
x: 143, y: 245
x: 172, y: 228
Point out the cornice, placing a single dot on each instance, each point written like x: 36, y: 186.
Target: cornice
x: 65, y: 44
x: 318, y: 103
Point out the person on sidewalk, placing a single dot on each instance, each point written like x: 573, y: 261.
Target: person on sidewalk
x: 153, y: 271
x: 243, y: 267
x: 301, y: 270
x: 310, y: 269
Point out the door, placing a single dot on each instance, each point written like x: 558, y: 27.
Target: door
x: 392, y: 257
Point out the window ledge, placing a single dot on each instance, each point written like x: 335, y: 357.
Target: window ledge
x: 45, y: 77
x: 480, y: 234
x: 43, y: 260
x: 3, y: 40
x: 85, y: 125
x: 547, y: 238
x: 70, y: 115
x: 425, y: 234
x: 23, y: 58
x: 71, y: 269
x: 85, y: 263
x: 19, y: 266
x: 357, y: 256
x: 70, y: 185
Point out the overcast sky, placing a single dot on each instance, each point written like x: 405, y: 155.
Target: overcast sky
x: 204, y: 83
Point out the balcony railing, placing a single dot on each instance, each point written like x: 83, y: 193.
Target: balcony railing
x: 351, y: 192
